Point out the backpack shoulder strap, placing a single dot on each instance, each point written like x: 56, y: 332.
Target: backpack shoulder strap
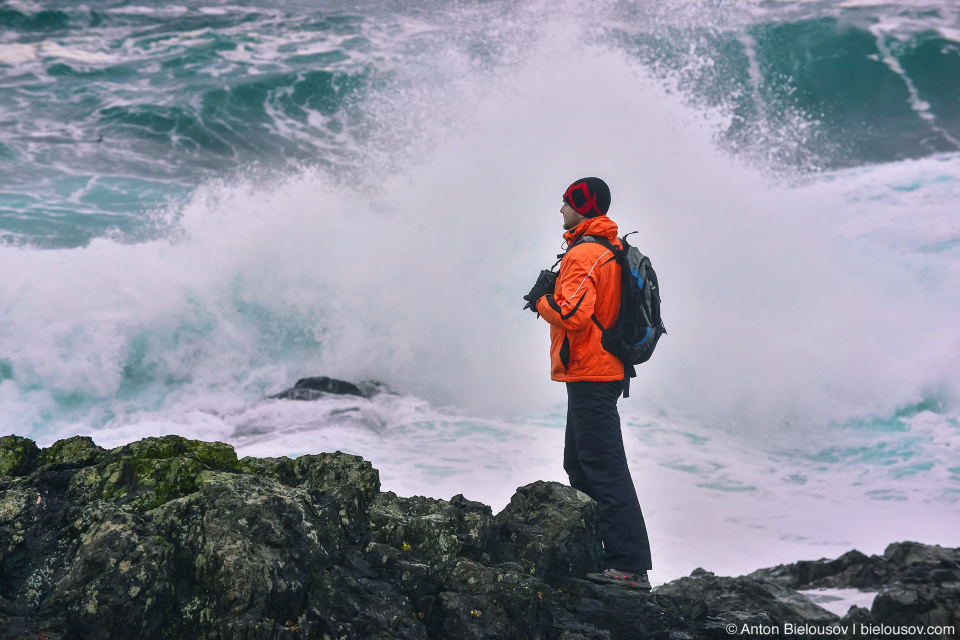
x: 602, y: 241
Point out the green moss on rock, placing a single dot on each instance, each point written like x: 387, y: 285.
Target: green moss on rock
x: 265, y: 549
x: 212, y: 455
x: 78, y: 451
x: 12, y: 504
x: 148, y: 473
x: 18, y: 455
x: 279, y: 469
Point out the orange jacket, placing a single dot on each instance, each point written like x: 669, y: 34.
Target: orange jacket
x: 588, y: 284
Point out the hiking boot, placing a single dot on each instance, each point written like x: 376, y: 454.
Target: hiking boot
x: 625, y: 579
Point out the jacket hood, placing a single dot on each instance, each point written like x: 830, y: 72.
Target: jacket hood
x: 599, y: 226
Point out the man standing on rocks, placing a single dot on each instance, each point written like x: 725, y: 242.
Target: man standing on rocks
x: 577, y: 301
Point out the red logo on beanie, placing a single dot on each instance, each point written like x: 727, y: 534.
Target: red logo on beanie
x: 579, y: 197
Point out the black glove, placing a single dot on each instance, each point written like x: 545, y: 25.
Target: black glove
x: 544, y: 285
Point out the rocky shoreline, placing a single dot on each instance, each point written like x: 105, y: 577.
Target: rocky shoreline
x: 175, y: 538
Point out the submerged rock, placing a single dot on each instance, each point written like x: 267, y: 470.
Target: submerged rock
x: 175, y: 538
x: 320, y: 386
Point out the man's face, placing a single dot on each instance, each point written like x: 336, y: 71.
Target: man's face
x: 570, y: 217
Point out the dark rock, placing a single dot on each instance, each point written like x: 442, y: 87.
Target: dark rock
x: 432, y: 531
x: 924, y: 604
x: 318, y: 387
x: 114, y: 581
x: 168, y: 537
x: 925, y: 588
x: 747, y: 593
x: 78, y: 451
x: 350, y: 482
x: 551, y: 529
x: 747, y: 624
x: 174, y: 538
x: 148, y: 473
x: 279, y: 469
x: 491, y: 602
x: 856, y: 570
x: 852, y: 570
x: 917, y: 584
x: 17, y: 455
x: 856, y: 616
x: 625, y: 614
x: 903, y: 555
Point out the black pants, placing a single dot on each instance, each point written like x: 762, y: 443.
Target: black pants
x: 594, y: 459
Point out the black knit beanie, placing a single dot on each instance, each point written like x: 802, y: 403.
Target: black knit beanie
x: 590, y: 197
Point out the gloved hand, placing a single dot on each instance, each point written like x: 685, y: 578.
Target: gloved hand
x: 544, y: 285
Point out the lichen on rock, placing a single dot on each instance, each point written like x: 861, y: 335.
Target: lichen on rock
x: 77, y: 451
x: 145, y: 474
x: 17, y: 455
x: 174, y: 538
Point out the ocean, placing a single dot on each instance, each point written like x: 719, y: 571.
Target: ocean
x: 201, y: 202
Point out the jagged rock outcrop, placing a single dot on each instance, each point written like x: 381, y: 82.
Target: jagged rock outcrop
x: 747, y: 593
x: 917, y: 584
x: 173, y: 538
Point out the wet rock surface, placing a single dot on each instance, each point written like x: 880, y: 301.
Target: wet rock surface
x: 320, y: 386
x: 916, y: 584
x: 174, y: 538
x: 748, y: 594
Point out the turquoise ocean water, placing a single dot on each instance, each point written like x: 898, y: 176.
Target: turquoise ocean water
x: 201, y: 202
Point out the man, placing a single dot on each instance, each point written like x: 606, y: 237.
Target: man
x: 587, y: 292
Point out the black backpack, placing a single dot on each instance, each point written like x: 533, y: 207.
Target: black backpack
x: 634, y: 334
